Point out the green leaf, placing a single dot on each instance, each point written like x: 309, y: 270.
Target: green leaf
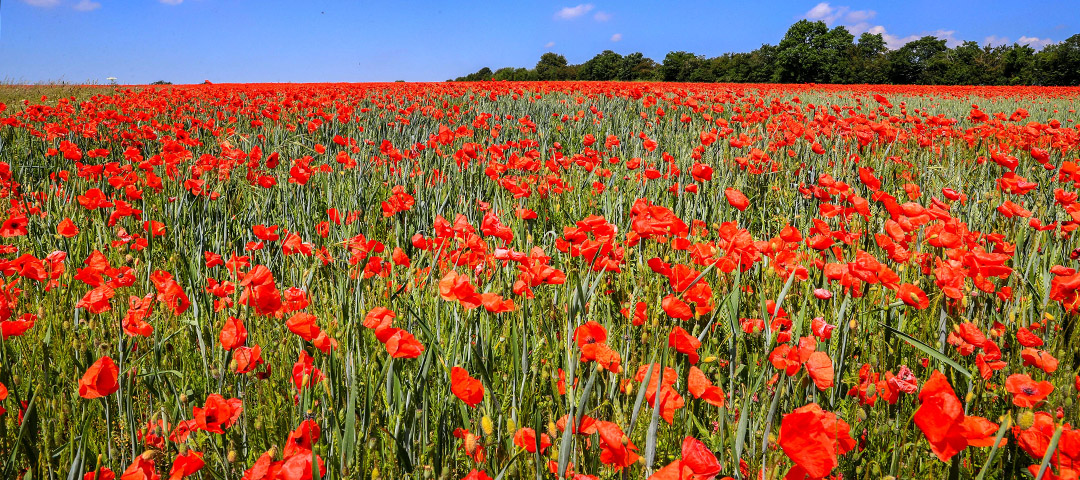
x: 927, y: 349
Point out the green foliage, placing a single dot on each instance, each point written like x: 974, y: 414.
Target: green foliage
x: 812, y: 53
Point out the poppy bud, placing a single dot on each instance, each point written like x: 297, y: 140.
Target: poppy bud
x: 1025, y: 419
x: 511, y: 426
x: 374, y: 472
x: 551, y: 430
x: 231, y: 456
x: 486, y: 425
x: 183, y: 398
x: 709, y: 359
x: 153, y: 455
x: 470, y: 443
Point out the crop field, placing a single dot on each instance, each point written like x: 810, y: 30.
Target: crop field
x: 577, y: 280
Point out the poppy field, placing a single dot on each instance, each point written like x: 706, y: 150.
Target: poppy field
x: 500, y: 280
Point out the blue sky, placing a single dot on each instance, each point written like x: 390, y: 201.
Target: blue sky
x: 187, y: 41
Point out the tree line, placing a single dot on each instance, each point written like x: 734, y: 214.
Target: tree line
x: 811, y: 52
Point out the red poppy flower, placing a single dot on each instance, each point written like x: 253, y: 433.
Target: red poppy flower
x: 465, y: 387
x: 303, y: 324
x: 1028, y: 339
x: 813, y: 438
x: 1040, y: 359
x: 379, y: 318
x: 67, y: 228
x: 699, y: 459
x: 526, y: 438
x: 616, y: 449
x: 820, y: 368
x: 402, y: 344
x: 590, y: 332
x: 304, y: 373
x: 217, y: 413
x: 185, y: 465
x: 233, y: 334
x: 140, y: 469
x: 247, y: 358
x: 1026, y: 392
x: 106, y: 474
x: 100, y: 379
x: 736, y: 199
x: 603, y: 355
x: 700, y: 387
x: 301, y: 439
x: 476, y: 475
x: 913, y: 296
x: 821, y: 329
x: 941, y: 418
x: 683, y: 342
x: 262, y: 232
x: 676, y: 308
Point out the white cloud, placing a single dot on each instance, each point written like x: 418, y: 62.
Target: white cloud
x: 1035, y: 42
x: 172, y: 2
x: 42, y: 3
x: 602, y: 16
x: 820, y: 11
x: 570, y: 13
x: 860, y: 16
x: 549, y: 44
x: 858, y: 28
x: 995, y: 41
x: 843, y: 15
x: 87, y: 5
x: 616, y: 37
x: 894, y: 42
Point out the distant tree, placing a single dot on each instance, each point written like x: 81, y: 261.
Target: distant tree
x: 678, y: 66
x: 970, y: 63
x: 841, y: 52
x: 552, y: 66
x: 809, y: 52
x: 161, y: 82
x: 1059, y: 64
x: 759, y: 66
x: 870, y: 64
x: 914, y: 63
x: 1018, y: 65
x: 505, y: 73
x: 636, y: 66
x: 604, y: 66
x: 481, y: 75
x: 812, y: 52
